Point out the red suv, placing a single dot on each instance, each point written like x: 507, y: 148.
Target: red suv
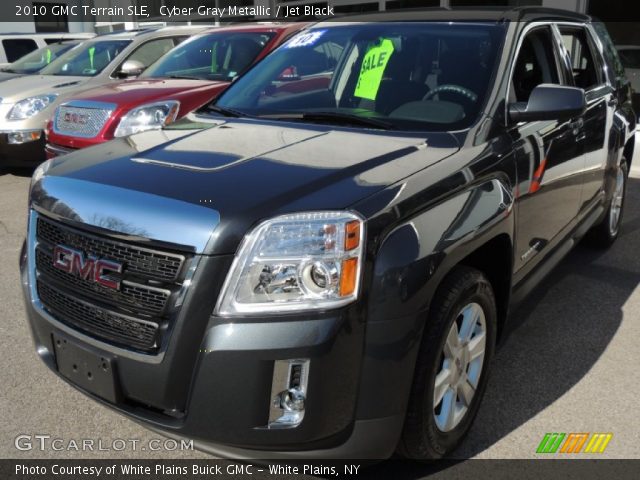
x: 184, y: 79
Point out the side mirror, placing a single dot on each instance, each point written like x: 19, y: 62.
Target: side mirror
x: 131, y: 68
x: 549, y: 102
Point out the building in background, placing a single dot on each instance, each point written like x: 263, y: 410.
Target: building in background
x: 610, y: 11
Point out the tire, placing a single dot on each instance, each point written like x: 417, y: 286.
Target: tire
x: 603, y: 234
x: 427, y: 434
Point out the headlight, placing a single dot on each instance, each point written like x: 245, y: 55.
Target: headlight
x: 304, y: 261
x: 148, y: 117
x: 29, y: 107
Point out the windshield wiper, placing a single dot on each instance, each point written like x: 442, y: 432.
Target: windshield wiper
x: 225, y: 112
x: 340, y: 118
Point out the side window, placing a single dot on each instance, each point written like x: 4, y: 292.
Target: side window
x: 16, y: 48
x: 583, y: 66
x: 614, y: 62
x: 536, y: 64
x: 151, y: 51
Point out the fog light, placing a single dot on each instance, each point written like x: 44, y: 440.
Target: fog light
x: 288, y: 393
x: 24, y: 136
x: 292, y: 400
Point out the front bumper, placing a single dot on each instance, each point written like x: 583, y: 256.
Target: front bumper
x: 27, y: 154
x: 212, y: 383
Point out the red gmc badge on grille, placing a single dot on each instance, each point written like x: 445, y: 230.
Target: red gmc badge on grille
x: 88, y: 268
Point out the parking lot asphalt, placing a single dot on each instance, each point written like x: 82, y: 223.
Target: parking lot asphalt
x: 571, y: 365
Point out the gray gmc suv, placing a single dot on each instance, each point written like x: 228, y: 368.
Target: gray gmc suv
x: 321, y: 262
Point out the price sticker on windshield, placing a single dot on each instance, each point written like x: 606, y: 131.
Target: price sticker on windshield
x: 373, y: 67
x: 305, y: 39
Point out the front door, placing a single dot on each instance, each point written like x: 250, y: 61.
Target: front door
x: 549, y: 154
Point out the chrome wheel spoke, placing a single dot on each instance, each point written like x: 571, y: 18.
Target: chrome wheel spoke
x: 451, y: 343
x: 470, y: 317
x: 442, y: 385
x: 466, y: 391
x: 476, y: 346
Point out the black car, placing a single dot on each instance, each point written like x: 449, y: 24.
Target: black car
x: 320, y: 263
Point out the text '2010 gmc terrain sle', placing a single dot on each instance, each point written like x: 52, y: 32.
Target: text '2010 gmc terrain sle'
x: 321, y: 265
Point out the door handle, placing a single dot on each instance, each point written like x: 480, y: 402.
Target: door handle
x: 577, y: 125
x: 613, y: 102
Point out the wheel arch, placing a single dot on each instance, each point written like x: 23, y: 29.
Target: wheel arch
x: 469, y: 228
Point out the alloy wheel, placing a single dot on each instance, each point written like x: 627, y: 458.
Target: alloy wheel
x: 462, y: 359
x: 615, y: 210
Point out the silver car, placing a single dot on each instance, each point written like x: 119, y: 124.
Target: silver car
x: 27, y: 103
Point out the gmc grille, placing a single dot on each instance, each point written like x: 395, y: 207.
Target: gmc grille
x: 136, y: 333
x: 80, y: 121
x: 131, y: 316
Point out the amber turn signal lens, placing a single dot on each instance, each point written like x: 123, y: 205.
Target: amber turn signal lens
x: 349, y: 277
x: 352, y: 235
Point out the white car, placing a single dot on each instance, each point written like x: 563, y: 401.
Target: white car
x: 14, y: 46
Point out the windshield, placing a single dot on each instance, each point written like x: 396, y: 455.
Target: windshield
x: 38, y: 59
x: 409, y: 76
x: 630, y: 57
x: 218, y: 56
x: 87, y: 59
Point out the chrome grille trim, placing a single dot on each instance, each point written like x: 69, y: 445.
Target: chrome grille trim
x: 128, y: 331
x: 136, y: 317
x: 140, y: 261
x: 135, y: 296
x: 94, y: 116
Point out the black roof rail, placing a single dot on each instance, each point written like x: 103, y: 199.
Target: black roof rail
x: 533, y: 11
x: 481, y: 13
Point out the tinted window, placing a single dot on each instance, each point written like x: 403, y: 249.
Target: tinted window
x: 536, y: 64
x: 87, y: 60
x: 610, y: 53
x: 37, y: 60
x: 218, y: 56
x: 16, y: 48
x: 413, y: 76
x: 583, y: 65
x: 151, y: 51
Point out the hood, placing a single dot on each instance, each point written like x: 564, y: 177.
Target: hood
x: 8, y: 76
x: 241, y: 171
x: 16, y: 89
x: 137, y: 92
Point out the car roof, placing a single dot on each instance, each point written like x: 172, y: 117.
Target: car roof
x: 258, y: 27
x: 150, y: 32
x: 487, y: 14
x: 69, y: 41
x: 56, y: 35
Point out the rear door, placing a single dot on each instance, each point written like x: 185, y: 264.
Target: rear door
x: 549, y: 154
x: 587, y: 71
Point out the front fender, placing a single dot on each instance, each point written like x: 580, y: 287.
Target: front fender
x: 410, y: 264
